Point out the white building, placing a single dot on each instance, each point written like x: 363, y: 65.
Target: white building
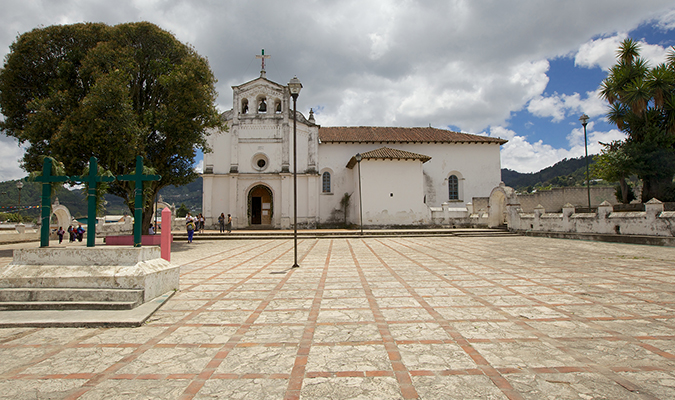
x: 404, y: 171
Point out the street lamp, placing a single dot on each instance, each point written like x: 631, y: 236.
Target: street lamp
x: 358, y: 158
x: 584, y: 122
x: 294, y: 87
x: 19, y: 186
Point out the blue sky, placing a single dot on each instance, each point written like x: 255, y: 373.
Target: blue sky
x: 523, y: 71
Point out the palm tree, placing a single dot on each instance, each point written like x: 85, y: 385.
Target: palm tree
x: 642, y: 104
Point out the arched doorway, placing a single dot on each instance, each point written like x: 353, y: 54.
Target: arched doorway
x: 260, y: 206
x: 62, y: 213
x: 500, y: 197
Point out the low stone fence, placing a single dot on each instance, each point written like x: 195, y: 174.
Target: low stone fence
x: 459, y: 217
x: 555, y: 199
x: 19, y: 234
x: 654, y: 221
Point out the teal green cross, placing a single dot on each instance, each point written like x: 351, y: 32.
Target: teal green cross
x: 47, y: 179
x: 137, y: 178
x: 92, y: 179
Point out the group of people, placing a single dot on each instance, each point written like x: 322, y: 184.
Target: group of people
x: 193, y: 224
x: 74, y: 233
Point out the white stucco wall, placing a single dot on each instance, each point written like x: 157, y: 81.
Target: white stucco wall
x: 392, y: 193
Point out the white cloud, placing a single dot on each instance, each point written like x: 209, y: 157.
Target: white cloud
x: 666, y: 21
x: 10, y: 154
x: 602, y: 52
x: 523, y: 156
x: 469, y: 64
x: 558, y: 107
x: 199, y: 167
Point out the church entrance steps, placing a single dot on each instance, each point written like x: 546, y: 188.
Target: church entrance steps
x: 344, y: 233
x: 69, y: 298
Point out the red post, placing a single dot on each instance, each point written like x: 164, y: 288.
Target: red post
x: 166, y: 234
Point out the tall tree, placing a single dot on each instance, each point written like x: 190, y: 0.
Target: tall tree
x: 113, y: 92
x: 642, y: 104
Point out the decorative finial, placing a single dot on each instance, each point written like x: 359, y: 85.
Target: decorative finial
x: 311, y: 115
x: 263, y: 57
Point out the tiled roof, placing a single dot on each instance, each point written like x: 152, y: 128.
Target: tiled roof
x: 375, y: 134
x: 385, y: 153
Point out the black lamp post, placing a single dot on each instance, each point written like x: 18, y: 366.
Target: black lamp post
x: 294, y: 87
x: 19, y: 186
x: 358, y: 158
x: 584, y: 122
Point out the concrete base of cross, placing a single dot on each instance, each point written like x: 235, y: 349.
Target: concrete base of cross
x: 110, y: 268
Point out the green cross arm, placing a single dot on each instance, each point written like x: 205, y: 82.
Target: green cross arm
x: 47, y: 179
x: 91, y: 180
x: 138, y: 178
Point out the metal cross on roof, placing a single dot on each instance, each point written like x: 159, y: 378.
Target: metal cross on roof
x: 263, y: 57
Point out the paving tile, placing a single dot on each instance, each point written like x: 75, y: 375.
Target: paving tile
x: 253, y: 389
x: 422, y: 317
x: 457, y: 387
x: 379, y: 388
x: 38, y: 389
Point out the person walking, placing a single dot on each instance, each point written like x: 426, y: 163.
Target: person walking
x: 60, y: 233
x: 229, y: 223
x: 79, y: 232
x: 221, y: 222
x: 190, y: 226
x: 201, y: 223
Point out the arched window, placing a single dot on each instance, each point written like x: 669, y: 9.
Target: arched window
x: 244, y: 106
x: 453, y: 187
x: 326, y: 182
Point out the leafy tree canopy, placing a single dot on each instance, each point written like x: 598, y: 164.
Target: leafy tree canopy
x: 113, y: 92
x: 642, y: 104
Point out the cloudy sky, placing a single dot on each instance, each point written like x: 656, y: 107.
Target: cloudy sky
x: 517, y: 69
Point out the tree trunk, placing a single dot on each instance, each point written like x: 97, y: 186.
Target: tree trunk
x: 624, y: 190
x: 654, y: 188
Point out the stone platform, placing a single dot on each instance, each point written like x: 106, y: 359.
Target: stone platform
x: 106, y: 267
x: 506, y: 317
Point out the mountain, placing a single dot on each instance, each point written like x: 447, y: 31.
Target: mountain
x: 75, y: 200
x: 568, y: 172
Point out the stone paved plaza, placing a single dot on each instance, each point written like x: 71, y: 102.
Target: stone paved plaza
x: 382, y: 318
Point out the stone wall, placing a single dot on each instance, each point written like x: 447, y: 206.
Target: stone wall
x: 654, y: 221
x: 19, y: 234
x: 554, y: 199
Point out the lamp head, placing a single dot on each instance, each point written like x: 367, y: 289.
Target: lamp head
x: 19, y: 185
x: 583, y: 119
x: 294, y: 86
x: 358, y: 157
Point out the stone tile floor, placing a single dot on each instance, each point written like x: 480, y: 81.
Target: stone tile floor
x: 381, y: 318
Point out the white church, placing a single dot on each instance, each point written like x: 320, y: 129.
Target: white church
x: 403, y: 173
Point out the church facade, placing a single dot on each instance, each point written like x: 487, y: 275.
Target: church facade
x: 387, y: 176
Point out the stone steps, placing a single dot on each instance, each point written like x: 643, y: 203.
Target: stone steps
x: 70, y: 298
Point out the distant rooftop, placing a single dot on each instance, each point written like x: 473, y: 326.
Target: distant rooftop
x: 375, y: 134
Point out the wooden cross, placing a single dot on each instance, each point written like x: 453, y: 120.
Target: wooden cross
x: 91, y: 179
x: 47, y: 179
x: 138, y: 178
x: 263, y: 56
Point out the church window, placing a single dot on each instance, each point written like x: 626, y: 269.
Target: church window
x: 453, y: 187
x: 244, y: 106
x: 277, y: 107
x: 260, y: 162
x: 262, y: 107
x: 326, y: 182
